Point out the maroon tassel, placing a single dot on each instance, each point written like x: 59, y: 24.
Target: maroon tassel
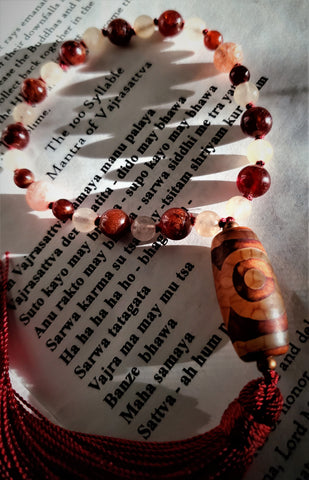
x: 31, y: 447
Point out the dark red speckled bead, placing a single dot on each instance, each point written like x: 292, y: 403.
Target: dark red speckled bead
x: 256, y: 122
x: 63, y: 209
x: 33, y: 90
x: 170, y: 23
x: 72, y: 53
x: 114, y: 223
x: 15, y: 135
x: 253, y: 181
x: 23, y: 177
x: 119, y: 32
x: 239, y: 74
x: 176, y: 223
x: 212, y: 39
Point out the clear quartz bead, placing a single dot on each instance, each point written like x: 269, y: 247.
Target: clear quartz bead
x: 194, y: 27
x: 144, y: 26
x: 143, y: 228
x: 51, y: 73
x: 24, y: 113
x: 260, y: 149
x: 239, y: 208
x: 94, y: 41
x: 207, y: 223
x: 15, y: 159
x: 83, y: 220
x: 39, y: 195
x: 246, y: 93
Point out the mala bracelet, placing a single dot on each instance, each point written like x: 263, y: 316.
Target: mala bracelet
x: 247, y: 290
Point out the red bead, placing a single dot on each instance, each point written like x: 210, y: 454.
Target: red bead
x: 23, y: 177
x: 114, y: 223
x: 176, y: 223
x: 239, y: 74
x: 253, y: 181
x: 212, y: 39
x: 256, y: 122
x: 15, y: 135
x: 72, y: 53
x: 33, y: 90
x: 170, y: 23
x: 63, y: 209
x: 119, y: 32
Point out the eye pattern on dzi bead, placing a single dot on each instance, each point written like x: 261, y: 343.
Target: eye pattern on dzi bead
x: 248, y: 294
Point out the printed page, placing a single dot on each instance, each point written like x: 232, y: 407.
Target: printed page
x: 121, y: 337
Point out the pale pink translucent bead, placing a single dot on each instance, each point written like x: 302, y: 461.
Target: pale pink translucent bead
x: 94, y: 41
x: 246, y: 93
x: 83, y: 220
x: 207, y: 223
x: 39, y: 195
x: 260, y: 149
x: 14, y: 159
x: 25, y: 113
x: 143, y: 228
x: 194, y: 27
x: 144, y: 26
x: 239, y: 208
x: 51, y: 73
x: 227, y: 55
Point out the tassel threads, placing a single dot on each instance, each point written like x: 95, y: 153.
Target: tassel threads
x: 33, y: 448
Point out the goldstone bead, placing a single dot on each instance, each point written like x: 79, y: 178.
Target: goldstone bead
x: 143, y: 228
x: 83, y: 220
x: 207, y: 223
x: 260, y: 149
x: 144, y: 26
x: 51, y: 73
x: 114, y: 223
x: 238, y: 207
x: 227, y: 55
x: 94, y: 40
x: 246, y: 93
x: 39, y: 195
x: 24, y: 113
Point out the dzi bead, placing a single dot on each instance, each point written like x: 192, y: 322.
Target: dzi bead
x: 248, y: 294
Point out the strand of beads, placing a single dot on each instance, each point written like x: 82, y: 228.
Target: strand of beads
x: 256, y: 122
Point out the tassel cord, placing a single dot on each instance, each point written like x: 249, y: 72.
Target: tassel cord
x: 33, y: 448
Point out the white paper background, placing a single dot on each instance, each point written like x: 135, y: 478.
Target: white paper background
x: 273, y: 36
